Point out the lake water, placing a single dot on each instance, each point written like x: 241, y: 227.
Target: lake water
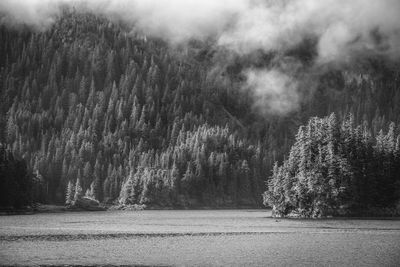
x: 196, y: 238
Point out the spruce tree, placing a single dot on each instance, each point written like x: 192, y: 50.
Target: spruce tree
x: 78, y: 189
x: 70, y: 194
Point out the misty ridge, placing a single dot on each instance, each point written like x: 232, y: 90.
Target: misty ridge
x: 333, y: 34
x: 292, y: 105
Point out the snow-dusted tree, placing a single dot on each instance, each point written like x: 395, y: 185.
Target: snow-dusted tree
x: 69, y: 197
x: 78, y: 188
x: 90, y: 192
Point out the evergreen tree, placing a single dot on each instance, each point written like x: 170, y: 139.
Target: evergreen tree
x: 70, y: 194
x: 78, y: 189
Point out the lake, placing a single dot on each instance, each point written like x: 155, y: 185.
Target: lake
x: 195, y: 238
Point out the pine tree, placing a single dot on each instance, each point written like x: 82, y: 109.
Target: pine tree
x: 78, y: 188
x: 70, y: 194
x: 126, y: 191
x: 188, y: 179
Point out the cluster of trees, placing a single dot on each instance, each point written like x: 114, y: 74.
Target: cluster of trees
x: 337, y: 168
x: 130, y: 119
x: 207, y: 164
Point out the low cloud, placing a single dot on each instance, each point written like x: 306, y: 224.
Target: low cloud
x: 274, y: 92
x: 342, y: 29
x: 341, y: 26
x: 37, y: 13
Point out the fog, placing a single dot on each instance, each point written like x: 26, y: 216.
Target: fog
x: 342, y: 29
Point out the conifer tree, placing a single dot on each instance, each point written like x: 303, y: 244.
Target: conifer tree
x: 70, y: 194
x: 78, y: 189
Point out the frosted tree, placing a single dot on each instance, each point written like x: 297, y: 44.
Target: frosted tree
x: 69, y: 197
x: 78, y: 189
x: 90, y: 192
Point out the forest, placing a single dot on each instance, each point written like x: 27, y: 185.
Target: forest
x: 89, y: 106
x: 337, y: 168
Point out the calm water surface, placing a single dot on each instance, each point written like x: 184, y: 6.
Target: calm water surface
x: 196, y: 238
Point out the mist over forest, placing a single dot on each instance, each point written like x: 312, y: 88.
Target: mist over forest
x: 188, y: 104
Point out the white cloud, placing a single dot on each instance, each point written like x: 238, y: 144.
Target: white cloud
x: 342, y: 29
x: 341, y: 26
x: 274, y: 92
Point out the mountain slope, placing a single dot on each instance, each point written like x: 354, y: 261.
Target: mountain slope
x: 135, y: 120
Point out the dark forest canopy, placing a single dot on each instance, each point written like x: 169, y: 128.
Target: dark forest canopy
x: 18, y: 187
x: 337, y: 168
x: 138, y: 122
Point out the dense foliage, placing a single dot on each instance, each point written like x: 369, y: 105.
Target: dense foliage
x: 18, y: 187
x: 91, y: 106
x: 86, y: 103
x: 337, y: 168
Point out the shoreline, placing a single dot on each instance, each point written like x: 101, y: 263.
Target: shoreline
x: 51, y: 208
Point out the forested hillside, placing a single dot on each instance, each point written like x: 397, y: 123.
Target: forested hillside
x: 133, y: 120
